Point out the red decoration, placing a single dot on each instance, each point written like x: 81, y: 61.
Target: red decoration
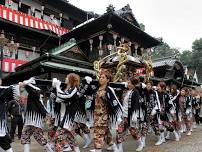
x: 9, y: 64
x: 141, y: 72
x: 30, y: 21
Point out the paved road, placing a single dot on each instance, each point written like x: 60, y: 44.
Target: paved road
x: 186, y: 144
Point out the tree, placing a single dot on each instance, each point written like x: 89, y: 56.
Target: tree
x: 186, y: 57
x: 164, y: 50
x: 193, y: 59
x: 197, y: 53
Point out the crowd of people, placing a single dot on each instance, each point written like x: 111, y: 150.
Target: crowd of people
x: 80, y: 105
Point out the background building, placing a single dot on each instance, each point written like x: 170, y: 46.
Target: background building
x: 35, y: 26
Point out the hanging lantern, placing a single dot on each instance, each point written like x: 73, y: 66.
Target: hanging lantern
x: 109, y: 47
x: 33, y: 49
x: 16, y: 52
x: 136, y: 47
x: 27, y: 54
x: 100, y: 38
x: 42, y: 11
x: 122, y: 40
x: 142, y: 51
x: 149, y: 52
x: 19, y: 4
x: 6, y: 51
x: 33, y: 11
x: 101, y: 52
x: 100, y: 46
x: 60, y: 15
x: 51, y: 16
x: 91, y: 44
x: 115, y: 37
x: 10, y: 2
x: 129, y: 44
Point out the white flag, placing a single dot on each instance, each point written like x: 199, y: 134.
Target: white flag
x: 195, y: 77
x: 186, y: 72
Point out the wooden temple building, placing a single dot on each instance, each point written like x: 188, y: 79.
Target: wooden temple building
x: 32, y: 27
x: 171, y: 70
x: 87, y: 43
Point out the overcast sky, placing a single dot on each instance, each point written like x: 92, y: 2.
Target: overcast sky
x: 179, y: 22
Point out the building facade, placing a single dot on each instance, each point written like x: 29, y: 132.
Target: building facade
x: 35, y: 26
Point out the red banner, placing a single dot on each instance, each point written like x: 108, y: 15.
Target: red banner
x: 30, y: 21
x: 9, y: 65
x: 141, y: 72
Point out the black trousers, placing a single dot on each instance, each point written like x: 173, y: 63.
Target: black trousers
x: 5, y: 142
x: 16, y: 121
x: 196, y: 116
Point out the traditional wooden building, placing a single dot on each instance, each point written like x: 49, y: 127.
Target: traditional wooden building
x: 171, y: 70
x: 94, y: 40
x: 35, y: 26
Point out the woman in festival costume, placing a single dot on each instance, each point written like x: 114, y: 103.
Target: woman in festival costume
x: 200, y: 104
x: 107, y: 111
x: 152, y: 111
x: 195, y: 108
x: 81, y: 128
x: 34, y: 117
x: 184, y: 110
x: 69, y: 112
x: 165, y: 107
x: 54, y: 119
x: 173, y: 124
x: 132, y: 116
x: 7, y: 93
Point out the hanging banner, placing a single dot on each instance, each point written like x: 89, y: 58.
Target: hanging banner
x: 9, y: 64
x: 30, y: 21
x: 141, y: 72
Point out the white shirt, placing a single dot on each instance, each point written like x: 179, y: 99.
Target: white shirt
x: 125, y: 103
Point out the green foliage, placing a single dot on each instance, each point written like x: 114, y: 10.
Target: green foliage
x: 164, y: 50
x: 197, y: 53
x: 186, y: 57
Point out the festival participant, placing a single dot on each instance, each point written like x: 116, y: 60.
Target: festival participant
x: 15, y: 111
x: 34, y: 117
x: 195, y: 108
x: 132, y: 116
x: 7, y: 93
x: 172, y: 114
x: 152, y: 111
x: 79, y: 121
x: 54, y: 119
x: 68, y: 110
x: 184, y: 108
x: 165, y: 107
x: 107, y: 111
x: 200, y: 104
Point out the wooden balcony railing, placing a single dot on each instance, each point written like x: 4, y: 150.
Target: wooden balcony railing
x: 30, y: 21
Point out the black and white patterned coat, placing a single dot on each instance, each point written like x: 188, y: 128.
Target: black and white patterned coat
x: 7, y: 93
x: 35, y: 111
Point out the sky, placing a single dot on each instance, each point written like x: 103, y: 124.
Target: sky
x: 178, y: 22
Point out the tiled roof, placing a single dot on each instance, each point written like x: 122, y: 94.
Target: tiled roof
x: 164, y: 62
